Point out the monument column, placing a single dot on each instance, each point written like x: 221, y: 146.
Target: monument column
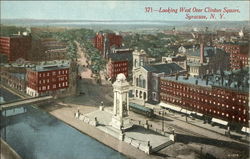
x: 115, y: 105
x: 120, y: 120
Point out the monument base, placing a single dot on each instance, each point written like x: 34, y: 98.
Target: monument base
x: 120, y: 123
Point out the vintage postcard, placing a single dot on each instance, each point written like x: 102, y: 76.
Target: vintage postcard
x: 124, y: 79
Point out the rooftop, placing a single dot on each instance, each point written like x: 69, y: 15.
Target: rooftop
x: 235, y: 80
x: 208, y: 51
x: 19, y: 75
x: 166, y: 68
x: 51, y: 65
x: 121, y: 56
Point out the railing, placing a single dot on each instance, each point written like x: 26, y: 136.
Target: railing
x: 25, y: 101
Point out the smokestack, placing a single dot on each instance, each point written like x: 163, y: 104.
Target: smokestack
x: 201, y: 53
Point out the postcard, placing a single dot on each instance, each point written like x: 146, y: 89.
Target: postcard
x: 124, y: 79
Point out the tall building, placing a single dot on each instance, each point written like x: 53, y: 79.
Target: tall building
x: 104, y: 41
x: 239, y: 54
x: 15, y: 47
x: 47, y: 79
x: 223, y: 97
x: 119, y: 63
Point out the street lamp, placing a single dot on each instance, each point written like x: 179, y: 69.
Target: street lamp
x: 162, y: 112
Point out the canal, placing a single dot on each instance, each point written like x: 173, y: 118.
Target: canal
x: 35, y: 134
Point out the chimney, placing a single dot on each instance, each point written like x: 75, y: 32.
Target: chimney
x: 201, y: 53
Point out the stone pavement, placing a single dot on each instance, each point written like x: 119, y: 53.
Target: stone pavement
x: 137, y: 135
x: 65, y: 114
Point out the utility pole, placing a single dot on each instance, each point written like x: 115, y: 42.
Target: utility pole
x: 162, y: 120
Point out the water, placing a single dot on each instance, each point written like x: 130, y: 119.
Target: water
x: 35, y: 134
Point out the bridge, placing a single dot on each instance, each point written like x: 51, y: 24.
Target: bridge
x: 35, y: 100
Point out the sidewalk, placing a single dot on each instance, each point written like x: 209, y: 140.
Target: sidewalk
x: 199, y: 124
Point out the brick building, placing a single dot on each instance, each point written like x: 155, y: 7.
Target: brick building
x: 104, y: 41
x: 239, y: 54
x: 47, y: 79
x: 217, y: 97
x: 119, y: 63
x: 47, y: 49
x: 14, y: 77
x: 15, y: 47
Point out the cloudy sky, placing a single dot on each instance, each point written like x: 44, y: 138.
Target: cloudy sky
x: 114, y: 10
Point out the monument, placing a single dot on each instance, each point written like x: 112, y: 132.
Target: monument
x: 120, y: 120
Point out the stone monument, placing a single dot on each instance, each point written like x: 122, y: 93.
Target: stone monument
x: 120, y: 120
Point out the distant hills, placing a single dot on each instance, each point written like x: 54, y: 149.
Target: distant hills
x: 129, y: 25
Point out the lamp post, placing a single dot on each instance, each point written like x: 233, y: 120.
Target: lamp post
x: 162, y: 112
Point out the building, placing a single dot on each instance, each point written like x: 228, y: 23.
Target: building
x: 14, y: 77
x: 223, y: 98
x: 205, y: 60
x: 15, y: 47
x: 48, y: 49
x: 146, y: 77
x: 104, y: 41
x: 48, y: 79
x: 179, y: 60
x: 119, y: 63
x: 239, y: 54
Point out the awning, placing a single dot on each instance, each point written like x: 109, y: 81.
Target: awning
x: 170, y: 106
x: 196, y: 113
x: 245, y: 129
x: 186, y: 111
x: 219, y: 121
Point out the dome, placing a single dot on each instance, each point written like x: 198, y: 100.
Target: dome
x: 121, y: 77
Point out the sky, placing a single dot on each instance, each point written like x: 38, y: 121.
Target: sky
x: 117, y: 10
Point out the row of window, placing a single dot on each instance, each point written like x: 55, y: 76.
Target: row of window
x: 120, y: 64
x: 204, y: 99
x: 120, y: 69
x: 209, y: 110
x: 60, y: 72
x: 218, y: 93
x: 54, y: 86
x: 213, y: 103
x: 53, y: 80
x: 140, y: 94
